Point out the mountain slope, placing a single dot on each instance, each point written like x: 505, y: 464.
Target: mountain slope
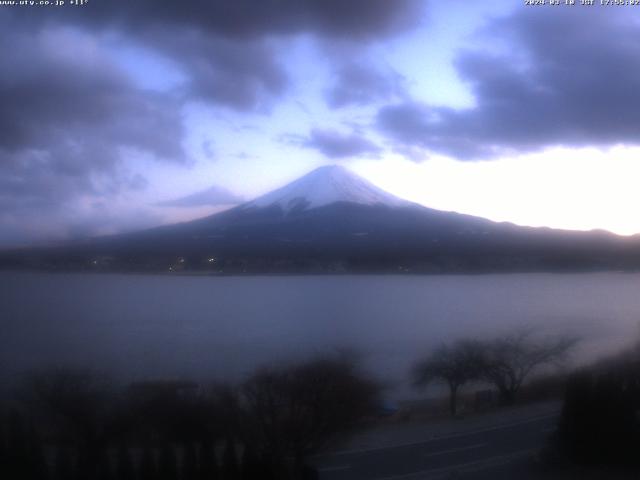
x: 333, y: 220
x: 324, y: 186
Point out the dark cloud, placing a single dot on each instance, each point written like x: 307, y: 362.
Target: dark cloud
x: 230, y: 49
x: 71, y: 117
x: 360, y: 83
x: 355, y: 19
x: 67, y: 117
x: 334, y: 144
x: 244, y: 76
x: 211, y: 196
x: 560, y: 83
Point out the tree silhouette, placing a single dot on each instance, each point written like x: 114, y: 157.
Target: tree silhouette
x: 453, y: 365
x: 294, y: 411
x: 513, y: 357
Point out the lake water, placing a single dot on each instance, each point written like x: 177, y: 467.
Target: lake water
x: 222, y: 327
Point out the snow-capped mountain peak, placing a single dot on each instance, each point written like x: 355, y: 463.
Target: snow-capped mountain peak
x: 324, y: 186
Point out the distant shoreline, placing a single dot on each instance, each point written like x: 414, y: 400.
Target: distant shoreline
x: 317, y: 274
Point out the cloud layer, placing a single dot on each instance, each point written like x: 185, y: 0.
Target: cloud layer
x: 568, y: 77
x: 75, y: 119
x: 72, y: 116
x: 213, y: 196
x: 334, y: 144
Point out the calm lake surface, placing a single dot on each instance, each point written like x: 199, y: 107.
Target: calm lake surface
x: 141, y: 326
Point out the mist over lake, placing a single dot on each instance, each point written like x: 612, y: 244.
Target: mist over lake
x: 137, y: 326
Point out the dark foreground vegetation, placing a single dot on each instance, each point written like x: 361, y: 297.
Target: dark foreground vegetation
x: 600, y: 421
x: 77, y: 425
x: 68, y: 425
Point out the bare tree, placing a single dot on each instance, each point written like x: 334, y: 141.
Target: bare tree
x: 454, y: 365
x: 295, y: 411
x: 511, y: 358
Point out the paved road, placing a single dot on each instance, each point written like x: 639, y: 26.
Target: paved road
x: 488, y: 449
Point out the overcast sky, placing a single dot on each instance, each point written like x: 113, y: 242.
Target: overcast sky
x: 119, y: 115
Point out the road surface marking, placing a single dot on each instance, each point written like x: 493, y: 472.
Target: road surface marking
x: 454, y: 450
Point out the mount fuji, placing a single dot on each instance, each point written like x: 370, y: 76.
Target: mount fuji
x: 332, y: 220
x: 324, y: 186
